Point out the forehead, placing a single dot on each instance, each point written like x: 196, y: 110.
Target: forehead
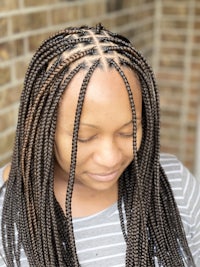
x: 108, y: 83
x: 106, y: 93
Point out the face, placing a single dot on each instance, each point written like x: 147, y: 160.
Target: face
x: 105, y: 140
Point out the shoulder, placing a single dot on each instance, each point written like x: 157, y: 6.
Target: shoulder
x: 182, y: 181
x: 170, y: 164
x: 186, y: 190
x: 185, y: 187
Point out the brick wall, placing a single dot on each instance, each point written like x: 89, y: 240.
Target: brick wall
x: 177, y: 65
x: 166, y: 31
x: 25, y: 23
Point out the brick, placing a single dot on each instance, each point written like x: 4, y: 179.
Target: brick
x: 195, y: 66
x: 113, y: 5
x: 35, y: 40
x: 65, y: 14
x: 8, y: 120
x: 20, y: 69
x: 108, y: 22
x: 190, y: 141
x: 29, y: 3
x: 5, y: 75
x: 146, y: 2
x: 192, y: 117
x: 195, y: 78
x: 93, y: 9
x: 148, y: 54
x: 6, y: 142
x: 180, y: 51
x: 173, y: 24
x: 11, y: 49
x: 170, y: 101
x: 27, y: 22
x: 148, y: 26
x: 171, y: 135
x: 129, y: 33
x: 194, y: 91
x: 8, y: 5
x: 120, y: 20
x: 197, y: 25
x: 196, y: 39
x: 193, y: 103
x: 9, y: 96
x: 171, y: 62
x: 143, y: 29
x: 197, y: 11
x: 190, y: 163
x: 169, y: 144
x: 169, y: 90
x: 171, y: 113
x: 128, y: 3
x: 18, y: 47
x: 169, y: 148
x: 3, y: 27
x: 178, y: 9
x: 4, y: 51
x: 145, y: 14
x: 176, y: 76
x: 173, y: 37
x: 142, y: 42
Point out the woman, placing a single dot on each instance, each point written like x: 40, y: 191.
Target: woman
x: 87, y: 184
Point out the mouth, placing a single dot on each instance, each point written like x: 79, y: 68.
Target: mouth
x: 104, y: 177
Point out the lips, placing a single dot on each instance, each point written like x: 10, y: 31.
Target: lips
x: 104, y: 177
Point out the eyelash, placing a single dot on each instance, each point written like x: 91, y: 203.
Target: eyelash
x: 86, y: 140
x: 91, y: 138
x: 126, y: 135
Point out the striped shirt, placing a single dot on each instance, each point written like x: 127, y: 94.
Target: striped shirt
x: 99, y: 239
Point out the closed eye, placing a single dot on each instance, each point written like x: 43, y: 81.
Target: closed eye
x: 126, y: 135
x: 86, y: 140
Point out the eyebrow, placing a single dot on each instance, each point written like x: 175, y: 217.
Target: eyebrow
x: 96, y: 127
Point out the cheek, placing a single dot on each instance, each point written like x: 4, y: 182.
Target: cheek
x: 84, y: 154
x: 128, y: 149
x: 62, y: 150
x: 63, y: 154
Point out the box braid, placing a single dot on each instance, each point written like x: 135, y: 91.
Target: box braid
x: 32, y: 218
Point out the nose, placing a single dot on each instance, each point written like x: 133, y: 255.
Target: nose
x: 108, y: 154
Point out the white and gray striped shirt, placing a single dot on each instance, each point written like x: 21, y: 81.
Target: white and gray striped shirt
x: 99, y: 239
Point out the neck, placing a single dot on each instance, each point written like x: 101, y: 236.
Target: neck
x: 85, y: 201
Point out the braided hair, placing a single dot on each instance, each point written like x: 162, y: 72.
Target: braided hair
x: 31, y: 217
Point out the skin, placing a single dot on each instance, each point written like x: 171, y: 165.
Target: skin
x: 105, y: 140
x: 6, y: 172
